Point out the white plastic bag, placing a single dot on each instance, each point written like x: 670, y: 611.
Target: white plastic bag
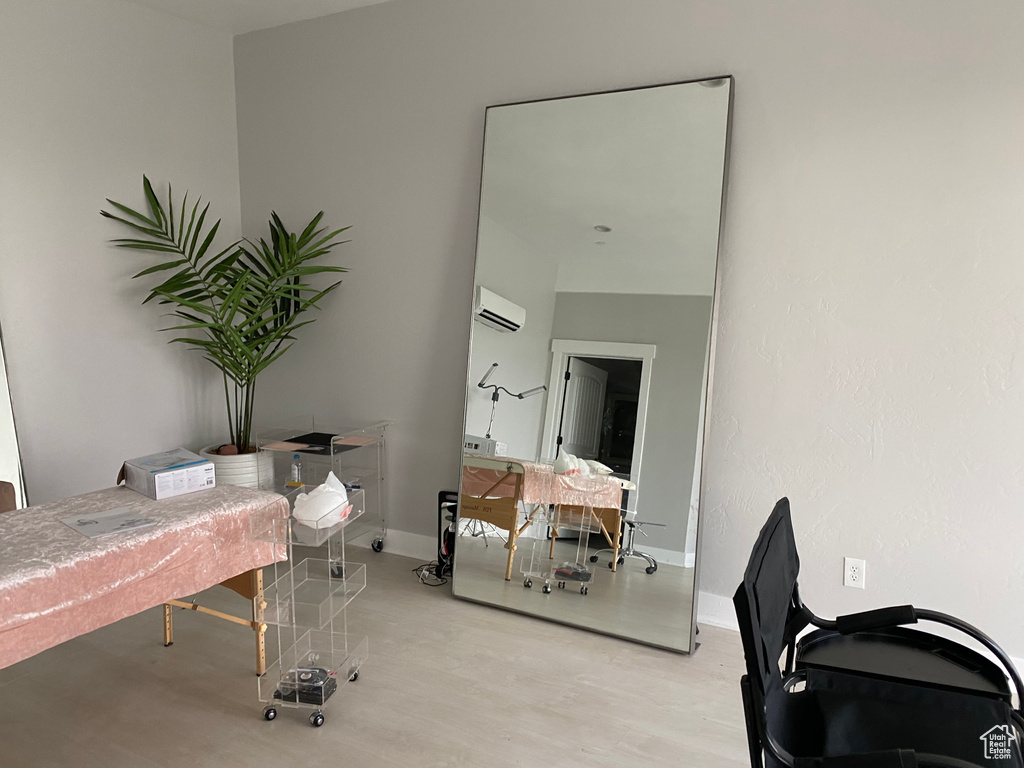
x: 569, y: 465
x: 324, y: 506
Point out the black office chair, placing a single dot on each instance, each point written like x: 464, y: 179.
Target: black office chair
x: 863, y: 691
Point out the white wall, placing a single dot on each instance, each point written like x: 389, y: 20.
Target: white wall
x: 513, y: 269
x: 94, y: 94
x: 869, y: 358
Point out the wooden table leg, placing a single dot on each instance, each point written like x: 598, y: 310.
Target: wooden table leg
x: 257, y: 620
x: 513, y: 534
x: 168, y: 626
x: 553, y: 533
x: 615, y: 548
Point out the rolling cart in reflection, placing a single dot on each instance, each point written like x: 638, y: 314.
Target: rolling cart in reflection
x: 542, y: 565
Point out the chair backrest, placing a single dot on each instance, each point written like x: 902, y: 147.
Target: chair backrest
x: 8, y: 500
x: 764, y: 601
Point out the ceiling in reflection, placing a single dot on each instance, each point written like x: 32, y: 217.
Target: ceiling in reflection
x: 551, y: 183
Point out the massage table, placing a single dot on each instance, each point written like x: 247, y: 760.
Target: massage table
x: 56, y: 583
x: 493, y: 488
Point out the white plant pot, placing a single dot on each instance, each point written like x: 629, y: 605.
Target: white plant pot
x: 251, y: 470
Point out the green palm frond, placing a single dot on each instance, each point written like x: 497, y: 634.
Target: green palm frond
x: 241, y: 305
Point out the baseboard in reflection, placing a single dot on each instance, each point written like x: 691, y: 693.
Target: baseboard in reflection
x: 667, y: 556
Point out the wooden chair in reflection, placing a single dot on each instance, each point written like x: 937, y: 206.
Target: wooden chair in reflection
x: 498, y: 505
x: 8, y: 501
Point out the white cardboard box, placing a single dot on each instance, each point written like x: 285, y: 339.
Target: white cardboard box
x: 164, y: 475
x: 484, y: 445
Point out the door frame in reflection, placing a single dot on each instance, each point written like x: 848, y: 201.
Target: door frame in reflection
x: 561, y: 351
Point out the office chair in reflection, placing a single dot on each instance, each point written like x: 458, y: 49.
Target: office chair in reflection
x: 632, y: 527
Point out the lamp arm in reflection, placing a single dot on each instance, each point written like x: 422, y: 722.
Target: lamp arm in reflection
x: 518, y: 396
x: 497, y: 389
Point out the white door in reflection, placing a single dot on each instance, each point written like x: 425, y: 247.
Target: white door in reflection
x: 584, y: 409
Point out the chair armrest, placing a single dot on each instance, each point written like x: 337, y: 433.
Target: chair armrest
x: 880, y: 618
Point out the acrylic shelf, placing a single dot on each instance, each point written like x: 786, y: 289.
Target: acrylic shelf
x: 310, y: 594
x: 313, y: 670
x: 303, y: 611
x: 283, y: 530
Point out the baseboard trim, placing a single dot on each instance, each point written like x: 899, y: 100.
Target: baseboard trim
x: 716, y: 611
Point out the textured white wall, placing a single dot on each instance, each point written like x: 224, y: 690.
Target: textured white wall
x: 869, y: 357
x: 95, y: 93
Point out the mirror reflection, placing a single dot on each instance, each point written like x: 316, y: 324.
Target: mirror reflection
x: 11, y: 487
x: 595, y: 286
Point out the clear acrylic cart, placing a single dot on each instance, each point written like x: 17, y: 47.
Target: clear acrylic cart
x: 308, y: 640
x: 356, y: 453
x: 542, y: 563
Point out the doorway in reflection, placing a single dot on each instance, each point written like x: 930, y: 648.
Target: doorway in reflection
x: 598, y: 414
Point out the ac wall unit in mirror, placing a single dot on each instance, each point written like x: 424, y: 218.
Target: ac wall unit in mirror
x: 600, y: 216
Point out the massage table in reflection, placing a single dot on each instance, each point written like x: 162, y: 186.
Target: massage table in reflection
x: 56, y: 583
x: 494, y: 487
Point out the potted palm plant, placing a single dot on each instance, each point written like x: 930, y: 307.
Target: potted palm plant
x: 239, y: 306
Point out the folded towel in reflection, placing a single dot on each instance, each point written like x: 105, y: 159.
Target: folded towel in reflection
x: 573, y: 466
x: 567, y: 464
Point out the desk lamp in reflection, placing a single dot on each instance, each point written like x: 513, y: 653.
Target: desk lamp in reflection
x: 494, y: 395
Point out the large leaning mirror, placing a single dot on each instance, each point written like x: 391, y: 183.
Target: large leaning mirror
x: 594, y: 306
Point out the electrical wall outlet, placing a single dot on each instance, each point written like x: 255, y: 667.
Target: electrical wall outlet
x: 854, y: 572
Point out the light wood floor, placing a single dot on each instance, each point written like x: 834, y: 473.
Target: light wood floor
x: 654, y: 608
x: 448, y: 683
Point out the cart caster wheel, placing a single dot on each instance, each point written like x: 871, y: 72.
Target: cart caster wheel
x: 561, y: 585
x: 622, y: 560
x: 316, y: 719
x: 527, y: 583
x: 583, y: 590
x: 593, y: 558
x: 337, y: 572
x: 269, y: 713
x: 354, y: 677
x: 651, y: 568
x: 547, y: 589
x: 377, y: 545
x: 612, y: 565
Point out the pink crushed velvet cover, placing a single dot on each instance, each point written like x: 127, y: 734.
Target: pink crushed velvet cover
x: 542, y: 486
x: 56, y: 584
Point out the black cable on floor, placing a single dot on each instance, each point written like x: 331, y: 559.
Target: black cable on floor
x: 426, y: 572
